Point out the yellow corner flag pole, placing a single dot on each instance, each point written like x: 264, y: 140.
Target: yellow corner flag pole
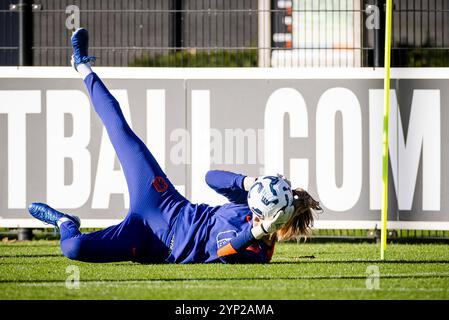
x: 388, y: 27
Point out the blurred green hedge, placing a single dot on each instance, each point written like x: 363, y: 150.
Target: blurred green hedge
x: 203, y: 58
x: 428, y: 57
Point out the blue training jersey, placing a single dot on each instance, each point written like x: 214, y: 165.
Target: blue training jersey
x: 200, y: 229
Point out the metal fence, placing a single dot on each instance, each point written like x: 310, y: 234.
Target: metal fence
x: 421, y: 33
x: 238, y: 33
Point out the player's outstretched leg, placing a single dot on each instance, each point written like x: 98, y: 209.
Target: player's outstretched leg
x: 147, y: 183
x: 80, y: 57
x: 122, y: 242
x: 67, y: 224
x: 48, y: 215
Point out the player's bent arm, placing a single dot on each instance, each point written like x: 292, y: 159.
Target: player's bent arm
x: 246, y: 238
x: 228, y: 184
x: 245, y: 249
x: 237, y: 244
x: 253, y: 253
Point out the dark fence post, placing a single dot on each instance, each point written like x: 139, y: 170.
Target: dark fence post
x: 379, y: 35
x: 25, y: 33
x: 176, y: 40
x: 178, y: 24
x: 24, y: 234
x: 25, y: 58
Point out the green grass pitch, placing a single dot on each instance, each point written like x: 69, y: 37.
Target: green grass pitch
x: 37, y: 270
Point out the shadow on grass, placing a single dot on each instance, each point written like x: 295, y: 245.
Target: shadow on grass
x: 330, y: 277
x: 13, y: 256
x: 298, y: 261
x: 28, y: 245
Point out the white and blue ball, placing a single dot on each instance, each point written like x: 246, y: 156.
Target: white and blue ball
x: 268, y: 195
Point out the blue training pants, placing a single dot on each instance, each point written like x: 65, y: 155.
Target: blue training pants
x: 145, y: 234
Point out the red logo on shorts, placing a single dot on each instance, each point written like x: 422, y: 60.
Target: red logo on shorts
x: 160, y: 184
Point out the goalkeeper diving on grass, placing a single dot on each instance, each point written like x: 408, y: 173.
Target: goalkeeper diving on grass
x: 162, y: 226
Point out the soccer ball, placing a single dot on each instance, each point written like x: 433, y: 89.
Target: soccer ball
x: 268, y: 195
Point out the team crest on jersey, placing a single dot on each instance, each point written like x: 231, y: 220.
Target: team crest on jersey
x: 160, y: 184
x: 224, y: 237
